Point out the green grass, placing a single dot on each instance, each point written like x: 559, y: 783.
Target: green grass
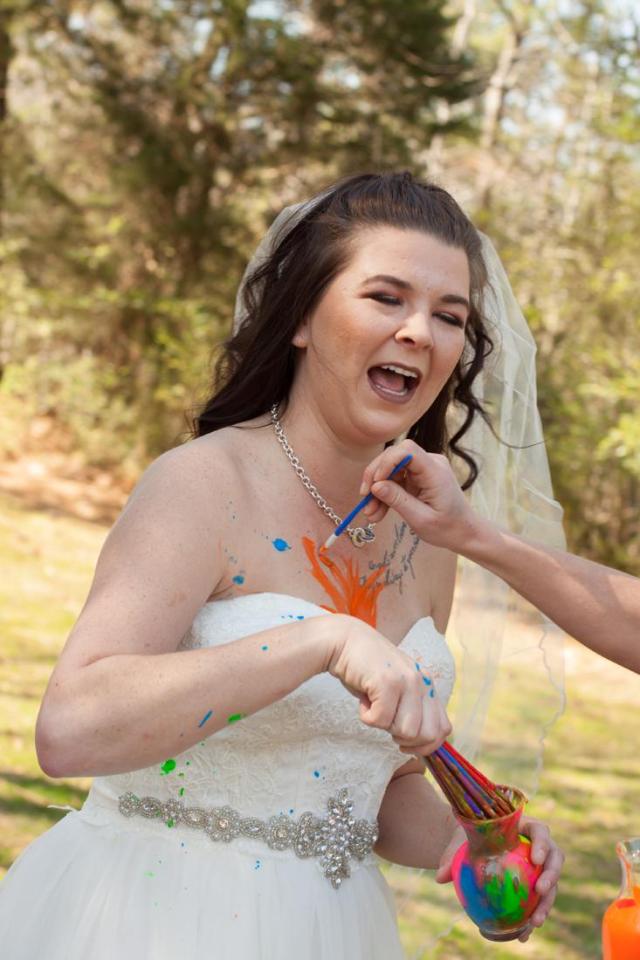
x: 589, y: 791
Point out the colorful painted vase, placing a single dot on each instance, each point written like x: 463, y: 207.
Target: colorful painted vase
x: 621, y: 922
x: 493, y: 873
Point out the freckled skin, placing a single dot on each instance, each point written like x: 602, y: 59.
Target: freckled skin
x: 176, y: 598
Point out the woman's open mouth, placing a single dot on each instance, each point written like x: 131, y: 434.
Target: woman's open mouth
x: 394, y: 382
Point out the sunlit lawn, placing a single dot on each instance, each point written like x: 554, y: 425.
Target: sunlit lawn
x: 590, y: 789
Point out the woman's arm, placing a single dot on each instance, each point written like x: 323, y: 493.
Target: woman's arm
x: 128, y: 711
x: 121, y: 696
x: 415, y: 825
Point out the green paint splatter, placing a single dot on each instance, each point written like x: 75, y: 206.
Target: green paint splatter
x: 171, y: 823
x: 148, y: 873
x: 507, y: 897
x: 167, y: 767
x: 181, y: 791
x: 235, y: 717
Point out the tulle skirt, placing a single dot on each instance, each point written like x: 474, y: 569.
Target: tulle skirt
x: 108, y: 891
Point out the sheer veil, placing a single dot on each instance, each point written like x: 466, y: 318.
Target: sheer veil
x: 510, y: 685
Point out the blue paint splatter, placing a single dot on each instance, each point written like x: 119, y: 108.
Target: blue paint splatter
x: 265, y: 647
x: 238, y: 579
x: 432, y: 693
x: 291, y: 810
x: 280, y: 544
x: 426, y: 681
x: 300, y: 616
x: 475, y: 900
x: 316, y: 773
x: 205, y: 718
x: 258, y: 865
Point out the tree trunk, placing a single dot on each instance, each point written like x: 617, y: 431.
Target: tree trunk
x: 6, y: 52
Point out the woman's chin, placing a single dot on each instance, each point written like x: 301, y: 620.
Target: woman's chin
x: 383, y: 428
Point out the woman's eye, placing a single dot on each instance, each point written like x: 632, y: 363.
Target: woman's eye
x: 385, y: 298
x: 450, y: 318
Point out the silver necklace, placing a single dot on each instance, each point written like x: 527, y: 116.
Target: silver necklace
x: 358, y: 535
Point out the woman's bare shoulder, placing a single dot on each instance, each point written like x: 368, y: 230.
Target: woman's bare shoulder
x: 217, y: 455
x: 226, y: 444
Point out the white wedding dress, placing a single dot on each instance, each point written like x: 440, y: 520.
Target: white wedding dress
x: 103, y: 884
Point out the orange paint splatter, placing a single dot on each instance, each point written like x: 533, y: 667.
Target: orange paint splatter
x: 341, y: 582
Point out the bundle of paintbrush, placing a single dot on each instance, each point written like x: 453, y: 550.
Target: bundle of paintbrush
x: 468, y: 791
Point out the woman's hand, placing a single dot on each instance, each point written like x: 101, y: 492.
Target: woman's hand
x: 543, y: 851
x: 394, y: 693
x: 426, y: 495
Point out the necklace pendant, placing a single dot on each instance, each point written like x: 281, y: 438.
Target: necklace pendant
x: 361, y: 535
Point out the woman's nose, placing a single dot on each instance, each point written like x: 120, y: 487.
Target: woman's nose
x: 416, y: 330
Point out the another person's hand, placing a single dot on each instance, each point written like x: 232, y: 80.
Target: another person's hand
x: 394, y: 693
x: 543, y: 851
x: 426, y: 494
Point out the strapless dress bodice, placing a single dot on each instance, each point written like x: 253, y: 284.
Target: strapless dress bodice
x: 295, y: 753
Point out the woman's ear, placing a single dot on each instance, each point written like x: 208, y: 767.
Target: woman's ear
x: 301, y: 336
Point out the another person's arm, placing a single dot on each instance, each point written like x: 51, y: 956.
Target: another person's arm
x: 597, y: 605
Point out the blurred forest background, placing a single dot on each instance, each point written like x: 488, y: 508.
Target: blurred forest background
x: 146, y: 146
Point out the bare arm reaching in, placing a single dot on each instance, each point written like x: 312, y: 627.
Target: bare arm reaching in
x: 597, y: 605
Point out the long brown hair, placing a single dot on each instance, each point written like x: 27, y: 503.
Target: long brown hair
x: 257, y: 363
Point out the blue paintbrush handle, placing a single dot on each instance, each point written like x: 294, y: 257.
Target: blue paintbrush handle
x: 365, y: 500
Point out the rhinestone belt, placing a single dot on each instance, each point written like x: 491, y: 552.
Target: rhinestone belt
x: 333, y: 839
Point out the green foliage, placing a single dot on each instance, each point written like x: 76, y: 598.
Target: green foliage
x: 161, y: 138
x: 147, y: 146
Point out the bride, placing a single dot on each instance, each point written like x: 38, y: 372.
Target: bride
x: 255, y: 711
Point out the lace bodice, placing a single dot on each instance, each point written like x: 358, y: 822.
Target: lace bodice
x: 294, y: 754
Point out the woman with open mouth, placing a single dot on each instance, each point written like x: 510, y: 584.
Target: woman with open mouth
x: 256, y: 710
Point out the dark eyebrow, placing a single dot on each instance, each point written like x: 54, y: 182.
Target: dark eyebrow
x: 405, y: 285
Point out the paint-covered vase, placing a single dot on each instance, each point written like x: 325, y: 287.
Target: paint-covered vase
x: 493, y: 873
x: 621, y: 922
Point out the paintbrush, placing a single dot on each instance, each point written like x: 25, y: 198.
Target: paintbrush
x: 360, y: 506
x: 469, y: 792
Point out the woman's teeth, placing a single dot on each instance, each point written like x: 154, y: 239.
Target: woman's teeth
x: 392, y: 382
